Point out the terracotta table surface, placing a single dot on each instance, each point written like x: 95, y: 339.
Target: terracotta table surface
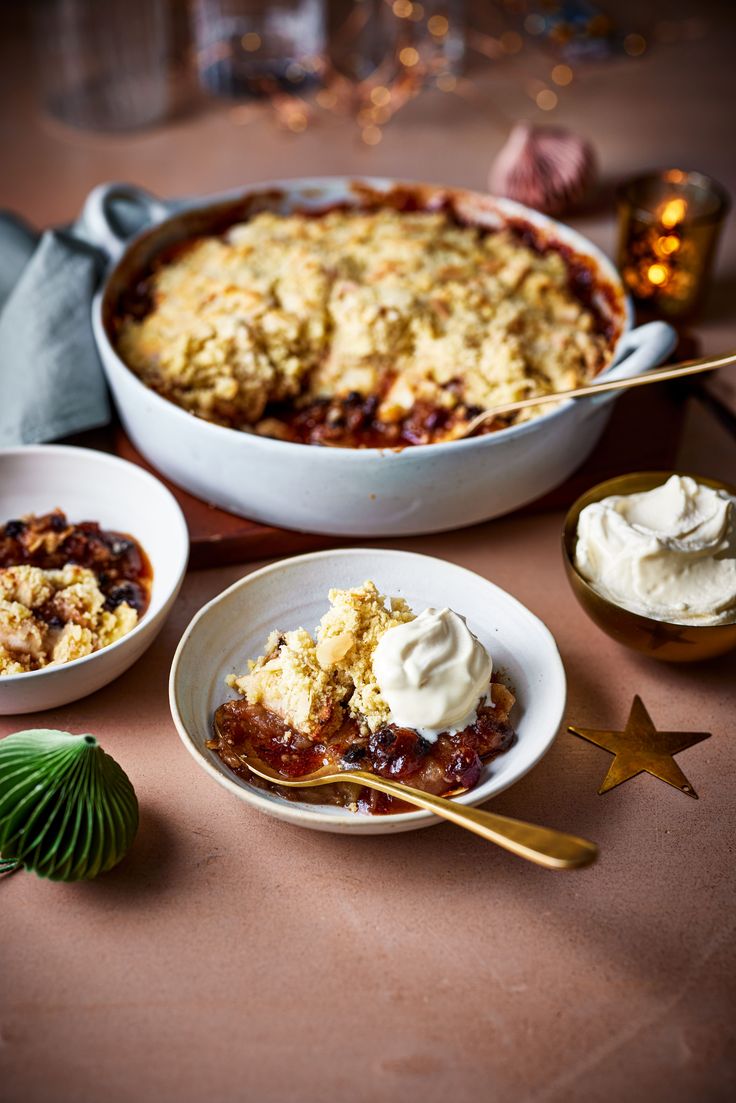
x: 233, y: 957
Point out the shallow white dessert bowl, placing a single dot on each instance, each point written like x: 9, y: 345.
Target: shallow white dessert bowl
x: 232, y: 628
x: 93, y: 486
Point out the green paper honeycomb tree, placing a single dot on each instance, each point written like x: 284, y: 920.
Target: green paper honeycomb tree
x: 67, y: 810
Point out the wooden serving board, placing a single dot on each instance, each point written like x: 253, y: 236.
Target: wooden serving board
x: 643, y: 434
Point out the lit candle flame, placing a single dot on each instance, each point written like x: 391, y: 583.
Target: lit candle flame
x: 673, y: 212
x: 657, y: 274
x: 668, y: 245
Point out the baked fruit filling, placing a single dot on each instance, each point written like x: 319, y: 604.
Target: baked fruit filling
x: 66, y: 590
x: 342, y: 698
x: 362, y: 328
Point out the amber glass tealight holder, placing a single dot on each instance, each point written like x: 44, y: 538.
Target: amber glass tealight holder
x: 669, y: 224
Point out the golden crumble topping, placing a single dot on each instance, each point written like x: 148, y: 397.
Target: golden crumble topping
x: 308, y: 682
x: 346, y: 639
x: 411, y: 309
x: 52, y: 616
x: 289, y: 681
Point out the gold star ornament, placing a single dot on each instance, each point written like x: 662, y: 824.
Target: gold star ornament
x: 640, y: 748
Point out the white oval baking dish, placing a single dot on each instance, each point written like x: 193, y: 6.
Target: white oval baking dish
x: 352, y: 492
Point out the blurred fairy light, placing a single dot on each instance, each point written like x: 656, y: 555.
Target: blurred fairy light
x: 673, y: 213
x: 408, y: 56
x: 562, y: 75
x: 668, y: 245
x: 371, y: 135
x: 438, y: 25
x: 426, y: 44
x: 402, y: 9
x: 380, y: 96
x: 546, y: 100
x: 635, y: 45
x: 657, y: 274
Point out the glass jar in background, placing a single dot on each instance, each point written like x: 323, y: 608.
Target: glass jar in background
x: 103, y: 64
x: 250, y: 48
x: 444, y: 38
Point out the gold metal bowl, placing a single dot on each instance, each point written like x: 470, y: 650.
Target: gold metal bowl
x: 677, y: 643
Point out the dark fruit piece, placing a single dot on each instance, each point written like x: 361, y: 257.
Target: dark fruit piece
x: 397, y: 752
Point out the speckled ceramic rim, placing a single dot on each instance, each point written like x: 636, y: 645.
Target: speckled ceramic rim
x: 312, y: 817
x: 179, y: 538
x: 612, y: 486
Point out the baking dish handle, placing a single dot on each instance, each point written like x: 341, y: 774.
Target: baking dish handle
x: 108, y: 229
x: 641, y: 349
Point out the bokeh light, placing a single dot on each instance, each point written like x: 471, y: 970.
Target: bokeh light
x: 657, y: 274
x: 408, y: 56
x: 546, y: 99
x: 371, y: 135
x: 438, y: 26
x: 402, y: 8
x: 635, y: 45
x: 562, y: 75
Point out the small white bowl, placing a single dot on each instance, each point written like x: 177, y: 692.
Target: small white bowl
x: 93, y: 486
x: 232, y: 628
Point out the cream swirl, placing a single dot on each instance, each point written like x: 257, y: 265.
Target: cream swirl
x: 667, y: 553
x: 432, y: 672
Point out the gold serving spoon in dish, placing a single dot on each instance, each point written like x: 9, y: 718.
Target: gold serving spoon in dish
x: 660, y: 375
x: 543, y: 845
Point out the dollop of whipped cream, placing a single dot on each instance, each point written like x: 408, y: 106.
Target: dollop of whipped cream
x: 432, y: 672
x: 667, y: 553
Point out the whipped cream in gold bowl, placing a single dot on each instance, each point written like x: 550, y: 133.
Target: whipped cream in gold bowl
x: 651, y: 557
x: 667, y: 553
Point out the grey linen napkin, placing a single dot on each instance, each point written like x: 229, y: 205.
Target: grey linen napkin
x: 51, y: 380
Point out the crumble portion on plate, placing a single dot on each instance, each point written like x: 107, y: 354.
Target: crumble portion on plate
x: 358, y: 328
x: 346, y: 640
x: 307, y: 682
x: 65, y: 590
x: 311, y: 701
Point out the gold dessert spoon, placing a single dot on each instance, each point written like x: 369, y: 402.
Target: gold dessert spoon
x: 660, y: 375
x: 543, y: 845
